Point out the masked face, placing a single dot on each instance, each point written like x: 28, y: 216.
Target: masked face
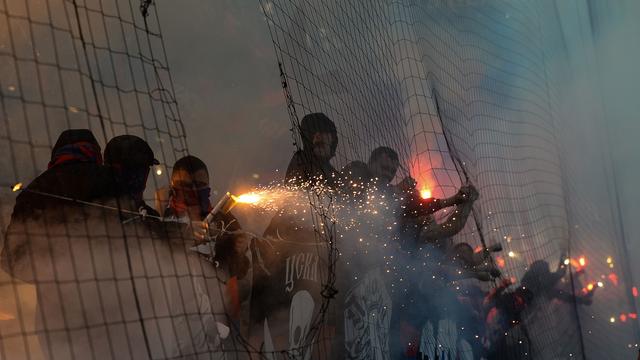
x: 384, y: 168
x: 322, y: 144
x: 191, y: 192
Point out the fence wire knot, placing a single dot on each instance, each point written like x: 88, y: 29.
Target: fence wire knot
x: 144, y: 7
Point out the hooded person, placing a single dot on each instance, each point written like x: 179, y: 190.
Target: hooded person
x: 319, y: 143
x: 288, y: 263
x: 75, y: 172
x: 129, y: 159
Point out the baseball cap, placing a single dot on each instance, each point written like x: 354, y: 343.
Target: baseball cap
x: 129, y: 150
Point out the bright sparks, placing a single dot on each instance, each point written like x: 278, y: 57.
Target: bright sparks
x: 17, y: 187
x: 425, y: 193
x: 511, y: 254
x: 567, y: 261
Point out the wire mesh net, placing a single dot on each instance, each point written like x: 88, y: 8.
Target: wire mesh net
x: 464, y: 92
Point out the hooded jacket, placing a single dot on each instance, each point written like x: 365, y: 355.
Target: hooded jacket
x: 305, y: 165
x: 74, y: 172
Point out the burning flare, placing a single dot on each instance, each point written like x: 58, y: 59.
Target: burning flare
x: 17, y: 187
x: 248, y: 198
x: 425, y: 193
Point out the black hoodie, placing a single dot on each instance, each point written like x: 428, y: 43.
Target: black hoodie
x: 305, y: 165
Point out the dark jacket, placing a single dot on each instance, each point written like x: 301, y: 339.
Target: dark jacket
x: 304, y: 166
x: 38, y: 204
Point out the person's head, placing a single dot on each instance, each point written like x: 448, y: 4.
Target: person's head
x: 190, y: 187
x: 130, y: 158
x: 384, y: 163
x: 319, y: 135
x: 76, y: 145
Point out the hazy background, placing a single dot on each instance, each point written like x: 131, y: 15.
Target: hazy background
x: 227, y: 84
x: 228, y: 88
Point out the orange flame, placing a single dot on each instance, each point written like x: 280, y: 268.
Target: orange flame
x: 613, y: 278
x: 425, y: 193
x: 248, y: 198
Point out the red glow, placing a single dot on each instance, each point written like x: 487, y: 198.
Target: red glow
x: 613, y: 278
x: 623, y: 317
x: 500, y: 262
x: 633, y: 315
x: 634, y: 291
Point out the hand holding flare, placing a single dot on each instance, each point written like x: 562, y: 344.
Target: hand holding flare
x: 204, y: 230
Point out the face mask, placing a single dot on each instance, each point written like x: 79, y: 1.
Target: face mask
x: 185, y: 197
